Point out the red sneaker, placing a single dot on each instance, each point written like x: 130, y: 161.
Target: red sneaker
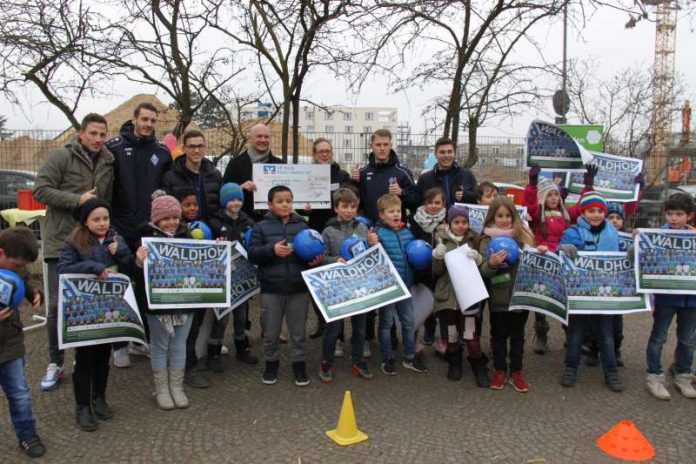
x: 518, y: 382
x: 498, y: 380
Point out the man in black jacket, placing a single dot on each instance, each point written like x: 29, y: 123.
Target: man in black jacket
x: 382, y: 174
x: 140, y: 162
x: 458, y: 183
x: 194, y: 170
x: 139, y: 166
x: 239, y: 169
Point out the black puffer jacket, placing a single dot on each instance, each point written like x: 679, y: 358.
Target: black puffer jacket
x: 72, y: 260
x: 179, y: 178
x: 374, y: 182
x: 230, y: 229
x: 150, y: 231
x: 277, y: 275
x: 139, y: 166
x: 239, y: 170
x: 449, y: 180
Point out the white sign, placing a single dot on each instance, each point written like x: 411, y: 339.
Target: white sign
x: 310, y: 183
x: 466, y: 278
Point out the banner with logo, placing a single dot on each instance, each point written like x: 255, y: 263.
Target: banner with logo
x: 310, y: 183
x: 615, y: 178
x: 550, y: 147
x: 244, y: 283
x: 186, y: 273
x: 666, y: 261
x: 366, y: 282
x: 602, y: 283
x: 539, y: 285
x: 589, y: 136
x: 94, y: 312
x: 477, y: 215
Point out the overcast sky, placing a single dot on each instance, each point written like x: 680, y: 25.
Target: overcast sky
x: 603, y: 37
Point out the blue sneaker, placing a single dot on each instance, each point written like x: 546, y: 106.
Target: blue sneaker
x: 54, y: 373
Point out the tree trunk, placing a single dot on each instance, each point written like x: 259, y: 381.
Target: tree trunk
x: 473, y: 156
x: 287, y: 105
x: 296, y: 127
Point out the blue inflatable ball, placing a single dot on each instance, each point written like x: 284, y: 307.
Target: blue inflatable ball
x: 308, y: 244
x: 11, y: 289
x: 419, y: 254
x: 364, y: 220
x: 351, y: 247
x: 247, y: 237
x: 200, y: 230
x: 504, y: 243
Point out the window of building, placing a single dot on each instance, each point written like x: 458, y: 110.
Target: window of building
x: 348, y: 157
x: 309, y: 115
x: 349, y: 129
x: 520, y: 151
x: 347, y: 116
x: 369, y: 116
x: 367, y: 129
x: 329, y: 128
x: 496, y: 150
x: 347, y: 143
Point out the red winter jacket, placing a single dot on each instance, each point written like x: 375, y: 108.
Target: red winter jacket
x: 555, y: 225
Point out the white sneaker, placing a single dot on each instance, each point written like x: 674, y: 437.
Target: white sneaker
x: 366, y: 350
x: 656, y: 386
x: 684, y: 383
x: 224, y: 350
x: 339, y: 349
x: 121, y: 358
x: 137, y: 349
x: 54, y: 373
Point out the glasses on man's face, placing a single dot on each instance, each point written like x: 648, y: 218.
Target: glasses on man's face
x: 323, y: 152
x: 196, y: 147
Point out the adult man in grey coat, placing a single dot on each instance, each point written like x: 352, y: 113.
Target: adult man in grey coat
x: 68, y: 177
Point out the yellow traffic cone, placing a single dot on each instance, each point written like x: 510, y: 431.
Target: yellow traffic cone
x: 346, y: 431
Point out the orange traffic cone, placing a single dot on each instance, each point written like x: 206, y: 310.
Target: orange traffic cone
x: 346, y: 431
x: 624, y: 441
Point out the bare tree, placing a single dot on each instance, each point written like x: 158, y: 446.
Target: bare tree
x: 45, y: 44
x: 163, y: 44
x: 287, y: 38
x: 4, y: 133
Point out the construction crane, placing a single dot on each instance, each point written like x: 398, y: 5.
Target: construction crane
x: 663, y: 69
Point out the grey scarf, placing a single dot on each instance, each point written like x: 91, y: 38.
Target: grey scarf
x: 257, y: 157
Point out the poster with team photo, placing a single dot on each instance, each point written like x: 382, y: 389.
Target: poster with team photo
x: 185, y: 273
x: 94, y: 312
x: 366, y: 282
x: 477, y: 215
x: 666, y: 261
x: 539, y: 285
x: 602, y: 283
x: 244, y: 283
x: 550, y: 147
x: 625, y: 241
x: 615, y: 178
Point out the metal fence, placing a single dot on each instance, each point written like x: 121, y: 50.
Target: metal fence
x: 500, y: 159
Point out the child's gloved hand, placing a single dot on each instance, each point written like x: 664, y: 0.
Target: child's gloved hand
x: 591, y: 172
x: 476, y: 256
x: 440, y: 250
x: 569, y: 249
x: 534, y: 175
x: 640, y: 180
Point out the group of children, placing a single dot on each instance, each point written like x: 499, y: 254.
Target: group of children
x: 590, y: 225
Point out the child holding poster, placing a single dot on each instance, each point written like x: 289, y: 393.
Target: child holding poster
x: 339, y: 229
x: 679, y: 211
x: 93, y: 248
x: 549, y: 219
x: 169, y: 328
x: 451, y: 317
x: 591, y: 233
x: 230, y: 223
x: 502, y: 220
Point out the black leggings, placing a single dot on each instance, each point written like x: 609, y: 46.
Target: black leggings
x: 91, y: 373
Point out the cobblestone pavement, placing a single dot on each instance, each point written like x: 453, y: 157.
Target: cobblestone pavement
x: 409, y: 418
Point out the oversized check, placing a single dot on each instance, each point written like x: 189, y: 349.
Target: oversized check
x: 310, y: 183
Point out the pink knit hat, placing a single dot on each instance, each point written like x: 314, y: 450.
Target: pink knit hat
x: 164, y: 206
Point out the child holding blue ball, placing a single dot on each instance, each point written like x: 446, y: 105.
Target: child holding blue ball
x: 502, y: 220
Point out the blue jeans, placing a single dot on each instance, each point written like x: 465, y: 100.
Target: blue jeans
x: 404, y: 310
x: 165, y: 350
x: 334, y: 330
x: 14, y: 384
x: 686, y: 338
x: 578, y: 327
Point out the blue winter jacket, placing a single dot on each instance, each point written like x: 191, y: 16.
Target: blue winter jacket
x: 584, y: 240
x: 277, y: 275
x: 677, y: 301
x: 94, y: 261
x: 394, y: 243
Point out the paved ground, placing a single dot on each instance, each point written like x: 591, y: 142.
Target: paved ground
x: 409, y: 418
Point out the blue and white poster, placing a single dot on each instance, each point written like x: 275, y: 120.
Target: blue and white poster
x: 615, y: 177
x: 540, y: 286
x: 244, y: 282
x: 366, y: 282
x: 94, y: 312
x: 666, y: 261
x: 187, y: 273
x: 477, y: 215
x: 550, y: 147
